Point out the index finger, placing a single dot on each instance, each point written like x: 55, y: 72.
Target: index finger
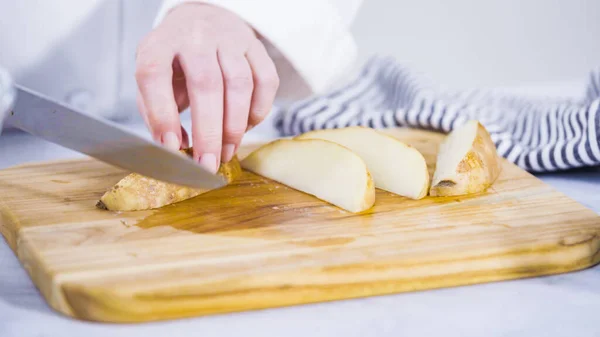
x: 205, y: 91
x: 154, y: 74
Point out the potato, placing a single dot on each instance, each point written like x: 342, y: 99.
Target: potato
x: 136, y: 192
x: 324, y: 169
x: 395, y: 166
x: 467, y: 162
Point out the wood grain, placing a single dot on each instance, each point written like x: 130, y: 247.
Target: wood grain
x: 258, y: 244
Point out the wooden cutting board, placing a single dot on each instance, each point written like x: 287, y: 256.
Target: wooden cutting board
x: 258, y: 244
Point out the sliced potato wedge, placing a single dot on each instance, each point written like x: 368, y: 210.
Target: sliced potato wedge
x: 467, y: 162
x: 136, y: 192
x: 396, y: 167
x: 324, y: 169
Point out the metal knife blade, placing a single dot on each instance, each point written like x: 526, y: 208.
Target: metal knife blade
x: 104, y: 140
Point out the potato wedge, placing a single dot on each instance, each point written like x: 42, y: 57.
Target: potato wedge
x: 467, y: 162
x: 324, y: 169
x: 395, y: 166
x: 136, y: 192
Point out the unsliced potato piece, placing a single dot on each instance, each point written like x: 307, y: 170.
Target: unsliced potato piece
x: 321, y: 168
x: 396, y: 167
x: 467, y: 162
x: 136, y: 192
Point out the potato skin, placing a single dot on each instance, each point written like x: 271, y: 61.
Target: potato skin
x: 369, y: 199
x: 136, y: 192
x: 476, y: 172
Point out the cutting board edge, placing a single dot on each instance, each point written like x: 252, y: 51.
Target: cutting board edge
x: 90, y: 303
x: 41, y: 275
x: 8, y: 226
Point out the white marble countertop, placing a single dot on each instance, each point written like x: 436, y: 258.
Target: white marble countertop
x: 561, y: 305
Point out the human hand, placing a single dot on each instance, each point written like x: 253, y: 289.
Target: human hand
x: 209, y: 59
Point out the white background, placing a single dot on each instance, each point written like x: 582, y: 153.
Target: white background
x: 464, y: 43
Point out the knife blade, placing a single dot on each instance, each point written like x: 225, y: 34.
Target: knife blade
x: 104, y: 140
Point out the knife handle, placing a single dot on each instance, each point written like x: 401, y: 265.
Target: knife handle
x: 7, y: 95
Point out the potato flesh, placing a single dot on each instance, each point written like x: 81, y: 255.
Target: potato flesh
x: 453, y: 150
x: 395, y: 166
x: 467, y: 162
x: 321, y: 168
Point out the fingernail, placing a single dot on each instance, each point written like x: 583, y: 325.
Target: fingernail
x: 209, y: 161
x: 171, y: 141
x: 228, y: 151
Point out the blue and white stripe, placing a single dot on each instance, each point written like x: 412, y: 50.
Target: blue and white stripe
x: 538, y: 135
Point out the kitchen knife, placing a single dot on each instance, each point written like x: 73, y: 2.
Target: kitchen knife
x: 104, y: 140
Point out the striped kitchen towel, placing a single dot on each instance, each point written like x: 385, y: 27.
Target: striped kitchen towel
x: 539, y: 135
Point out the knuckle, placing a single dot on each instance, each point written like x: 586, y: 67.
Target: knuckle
x: 147, y: 67
x: 157, y: 121
x: 210, y: 137
x: 268, y: 81
x: 151, y: 60
x: 235, y: 133
x: 257, y: 116
x: 239, y: 82
x: 205, y: 80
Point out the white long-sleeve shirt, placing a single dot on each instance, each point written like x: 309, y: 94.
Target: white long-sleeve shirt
x: 83, y: 51
x: 309, y: 40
